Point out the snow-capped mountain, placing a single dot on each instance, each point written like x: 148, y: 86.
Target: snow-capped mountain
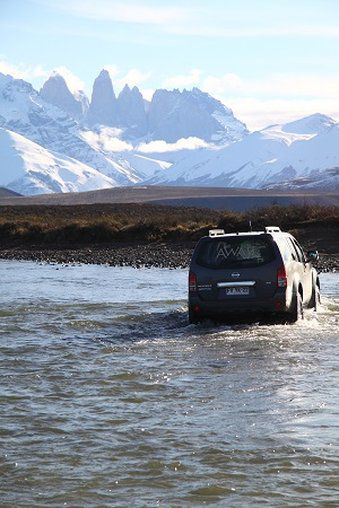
x: 169, y: 116
x: 23, y: 110
x: 127, y: 112
x: 304, y: 153
x: 179, y: 138
x: 55, y: 117
x: 31, y: 169
x: 312, y: 124
x: 174, y: 115
x: 56, y: 92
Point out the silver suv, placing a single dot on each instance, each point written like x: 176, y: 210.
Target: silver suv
x: 253, y: 273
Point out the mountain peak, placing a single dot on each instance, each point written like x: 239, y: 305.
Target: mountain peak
x: 66, y: 82
x: 56, y: 91
x: 132, y: 112
x: 311, y: 124
x: 6, y: 80
x: 192, y: 113
x: 55, y: 75
x: 104, y: 74
x: 103, y: 106
x: 125, y: 91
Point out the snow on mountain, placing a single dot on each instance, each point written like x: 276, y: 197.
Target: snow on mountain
x: 213, y: 166
x: 23, y: 110
x: 146, y: 167
x: 55, y: 91
x: 302, y: 153
x: 174, y: 115
x: 28, y: 168
x: 312, y: 124
x: 169, y: 116
x: 311, y: 163
x: 179, y: 138
x: 137, y: 165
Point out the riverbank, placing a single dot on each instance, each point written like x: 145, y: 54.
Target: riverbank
x: 137, y: 256
x: 148, y: 235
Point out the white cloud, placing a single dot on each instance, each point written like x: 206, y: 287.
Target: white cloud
x: 182, y: 144
x: 23, y: 71
x: 302, y: 85
x: 147, y: 93
x: 201, y: 30
x: 106, y: 139
x: 183, y: 80
x: 134, y: 77
x: 298, y: 85
x: 258, y: 113
x: 275, y: 98
x: 74, y: 83
x: 126, y: 12
x: 112, y: 70
x: 36, y: 72
x: 275, y: 86
x: 200, y: 19
x: 270, y: 99
x: 221, y: 84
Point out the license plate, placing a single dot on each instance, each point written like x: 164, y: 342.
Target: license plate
x: 239, y: 291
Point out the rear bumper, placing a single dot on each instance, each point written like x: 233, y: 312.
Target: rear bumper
x: 230, y: 308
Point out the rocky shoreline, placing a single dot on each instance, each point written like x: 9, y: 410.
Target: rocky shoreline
x: 137, y: 256
x: 158, y: 255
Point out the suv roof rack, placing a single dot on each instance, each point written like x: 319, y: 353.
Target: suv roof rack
x: 272, y: 229
x: 216, y: 232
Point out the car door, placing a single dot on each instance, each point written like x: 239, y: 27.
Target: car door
x: 305, y: 271
x: 307, y: 279
x: 296, y: 268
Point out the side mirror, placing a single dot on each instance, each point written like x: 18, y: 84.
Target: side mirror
x: 312, y: 255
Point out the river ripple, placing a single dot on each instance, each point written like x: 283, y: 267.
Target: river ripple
x: 109, y: 398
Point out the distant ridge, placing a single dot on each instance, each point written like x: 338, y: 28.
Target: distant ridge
x: 7, y: 193
x: 216, y: 198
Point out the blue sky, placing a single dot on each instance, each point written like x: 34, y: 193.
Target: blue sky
x: 269, y: 60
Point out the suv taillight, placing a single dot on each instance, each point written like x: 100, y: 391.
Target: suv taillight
x: 192, y: 282
x: 281, y: 277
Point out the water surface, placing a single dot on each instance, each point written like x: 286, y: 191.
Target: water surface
x: 109, y: 398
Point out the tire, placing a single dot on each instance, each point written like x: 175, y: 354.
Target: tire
x: 315, y: 300
x: 297, y: 309
x: 193, y: 319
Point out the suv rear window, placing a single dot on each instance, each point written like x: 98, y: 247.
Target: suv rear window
x: 249, y: 251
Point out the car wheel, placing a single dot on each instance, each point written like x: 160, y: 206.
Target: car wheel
x: 297, y: 309
x: 193, y: 318
x: 315, y: 300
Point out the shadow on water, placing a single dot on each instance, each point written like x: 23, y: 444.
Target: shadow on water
x: 174, y: 325
x: 142, y: 326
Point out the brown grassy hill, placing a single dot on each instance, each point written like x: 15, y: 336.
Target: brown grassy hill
x: 57, y: 226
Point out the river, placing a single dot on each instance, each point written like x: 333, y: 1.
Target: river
x: 109, y: 398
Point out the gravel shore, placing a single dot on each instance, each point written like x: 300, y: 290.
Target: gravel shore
x: 137, y: 256
x: 142, y: 255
